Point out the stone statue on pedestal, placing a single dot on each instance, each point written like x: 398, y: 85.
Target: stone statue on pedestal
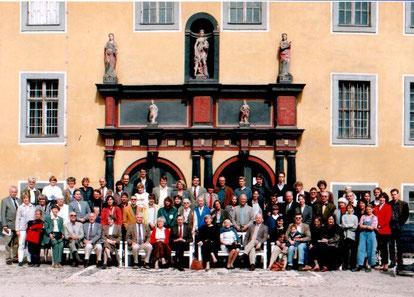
x: 152, y: 114
x: 110, y: 58
x: 284, y: 60
x: 200, y: 56
x: 245, y: 113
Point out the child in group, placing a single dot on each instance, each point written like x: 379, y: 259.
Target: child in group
x: 291, y: 240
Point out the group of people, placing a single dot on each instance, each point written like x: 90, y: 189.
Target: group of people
x: 302, y: 230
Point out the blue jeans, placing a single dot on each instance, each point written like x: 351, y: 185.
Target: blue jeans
x: 302, y: 253
x: 367, y: 245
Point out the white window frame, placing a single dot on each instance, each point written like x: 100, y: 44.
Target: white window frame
x: 407, y: 80
x: 408, y: 29
x: 22, y: 184
x: 340, y: 186
x: 405, y: 188
x: 373, y: 79
x: 227, y: 26
x: 25, y: 27
x: 372, y: 28
x: 139, y: 27
x: 61, y: 137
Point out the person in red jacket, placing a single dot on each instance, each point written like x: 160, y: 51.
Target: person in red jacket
x: 34, y: 237
x: 160, y: 249
x: 111, y: 209
x: 383, y: 212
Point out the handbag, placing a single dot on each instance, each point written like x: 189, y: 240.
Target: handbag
x: 197, y: 264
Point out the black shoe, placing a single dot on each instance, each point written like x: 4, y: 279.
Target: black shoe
x: 104, y: 266
x: 252, y: 267
x: 181, y: 268
x: 15, y: 261
x: 135, y: 265
x: 36, y: 265
x: 99, y: 264
x: 300, y: 267
x: 20, y: 264
x: 86, y: 264
x: 289, y: 267
x: 367, y: 269
x: 146, y: 266
x: 73, y: 264
x: 9, y: 262
x: 356, y: 269
x: 392, y: 265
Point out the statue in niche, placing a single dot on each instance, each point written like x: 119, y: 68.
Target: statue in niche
x: 200, y: 56
x: 152, y: 114
x: 110, y: 57
x: 284, y: 60
x: 245, y: 113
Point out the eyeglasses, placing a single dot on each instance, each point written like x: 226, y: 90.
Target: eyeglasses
x: 133, y: 199
x: 73, y: 215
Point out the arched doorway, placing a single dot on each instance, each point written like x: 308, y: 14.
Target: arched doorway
x: 234, y: 167
x: 155, y: 169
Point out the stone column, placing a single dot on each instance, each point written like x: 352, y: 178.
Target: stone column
x: 196, y: 164
x: 109, y: 168
x: 208, y: 169
x: 291, y: 168
x: 280, y: 162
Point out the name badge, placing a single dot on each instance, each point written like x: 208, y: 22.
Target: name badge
x: 171, y: 216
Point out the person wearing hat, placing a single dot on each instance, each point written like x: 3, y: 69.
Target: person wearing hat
x: 53, y: 226
x: 341, y: 210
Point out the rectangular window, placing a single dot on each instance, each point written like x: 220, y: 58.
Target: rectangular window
x: 156, y: 16
x: 43, y: 16
x: 408, y: 196
x: 244, y: 15
x: 354, y: 109
x: 338, y: 190
x: 409, y: 17
x: 409, y: 110
x: 358, y: 16
x: 42, y: 114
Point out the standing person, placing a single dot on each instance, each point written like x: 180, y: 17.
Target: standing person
x: 315, y: 244
x: 52, y: 191
x: 187, y: 213
x: 159, y: 239
x: 314, y: 198
x: 383, y: 212
x: 400, y: 213
x: 178, y: 202
x: 199, y: 213
x: 289, y: 208
x: 111, y: 237
x: 305, y: 210
x: 9, y: 206
x: 180, y: 238
x: 119, y: 190
x: 243, y: 215
x: 242, y: 189
x: 31, y: 191
x: 269, y: 207
x: 210, y: 197
x: 74, y: 235
x: 219, y: 215
x: 111, y: 209
x: 255, y: 203
x: 63, y: 210
x: 142, y: 196
x: 208, y: 239
x: 181, y: 189
x: 162, y: 191
x: 351, y: 197
x: 341, y: 210
x: 81, y: 208
x: 145, y: 180
x: 25, y: 213
x: 196, y: 190
x: 224, y: 192
x: 367, y: 242
x: 34, y: 238
x: 271, y: 221
x: 377, y: 193
x: 261, y: 188
x: 231, y: 208
x: 86, y: 190
x: 281, y: 187
x: 169, y: 213
x: 150, y: 212
x: 92, y: 240
x: 349, y: 225
x: 53, y: 226
x: 138, y: 237
x: 324, y: 209
x: 125, y: 184
x: 103, y: 189
x: 68, y: 192
x: 360, y: 210
x: 97, y: 200
x: 256, y: 236
x: 130, y: 212
x: 229, y: 240
x: 322, y: 188
x: 298, y: 186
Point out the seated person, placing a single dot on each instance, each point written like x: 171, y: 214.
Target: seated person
x: 256, y: 235
x: 74, y: 235
x: 137, y: 236
x: 279, y: 238
x: 92, y: 239
x: 161, y: 251
x: 208, y: 239
x: 180, y: 238
x: 291, y: 240
x: 302, y: 247
x: 229, y: 242
x: 111, y: 236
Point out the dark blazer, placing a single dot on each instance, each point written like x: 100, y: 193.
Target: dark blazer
x: 224, y: 215
x: 116, y: 234
x: 288, y: 213
x: 48, y: 227
x: 96, y: 232
x: 275, y: 190
x: 149, y: 185
x: 175, y: 233
x: 263, y: 193
x: 307, y: 196
x: 307, y: 214
x: 27, y: 192
x: 262, y: 234
x: 329, y: 210
x: 8, y: 212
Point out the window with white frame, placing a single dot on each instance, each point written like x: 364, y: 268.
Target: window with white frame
x: 43, y: 16
x: 39, y: 185
x: 408, y: 196
x: 354, y: 109
x: 409, y: 18
x: 246, y: 15
x: 156, y: 16
x: 409, y: 110
x: 42, y: 107
x: 338, y: 190
x: 356, y: 16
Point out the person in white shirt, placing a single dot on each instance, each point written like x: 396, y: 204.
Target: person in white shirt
x: 25, y: 212
x: 52, y: 191
x: 63, y: 210
x: 142, y: 196
x: 31, y: 191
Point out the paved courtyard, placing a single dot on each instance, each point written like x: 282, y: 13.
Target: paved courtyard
x: 46, y: 281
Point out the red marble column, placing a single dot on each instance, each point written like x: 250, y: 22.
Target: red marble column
x: 286, y: 111
x: 109, y: 111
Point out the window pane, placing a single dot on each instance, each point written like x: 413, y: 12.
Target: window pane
x: 43, y: 13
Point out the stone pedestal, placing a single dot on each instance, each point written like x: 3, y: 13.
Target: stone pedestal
x: 284, y: 78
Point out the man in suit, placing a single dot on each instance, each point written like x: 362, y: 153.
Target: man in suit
x: 92, y: 240
x: 209, y: 197
x: 302, y: 248
x: 145, y: 180
x: 111, y: 237
x: 324, y: 209
x: 81, y: 208
x: 180, y: 238
x: 298, y: 186
x: 130, y: 212
x: 243, y: 215
x: 103, y: 189
x: 281, y: 188
x: 9, y: 207
x: 162, y: 191
x: 138, y: 237
x: 256, y: 235
x: 224, y: 192
x: 31, y: 191
x: 305, y: 210
x: 74, y: 235
x: 199, y: 213
x: 196, y: 190
x: 289, y: 208
x: 262, y: 189
x: 68, y: 192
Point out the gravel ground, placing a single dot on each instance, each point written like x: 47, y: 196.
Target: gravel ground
x: 45, y: 281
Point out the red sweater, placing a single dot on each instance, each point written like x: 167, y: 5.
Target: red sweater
x: 167, y: 236
x: 384, y: 217
x: 106, y: 213
x: 34, y: 231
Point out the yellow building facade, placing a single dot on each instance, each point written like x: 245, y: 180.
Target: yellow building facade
x: 332, y: 45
